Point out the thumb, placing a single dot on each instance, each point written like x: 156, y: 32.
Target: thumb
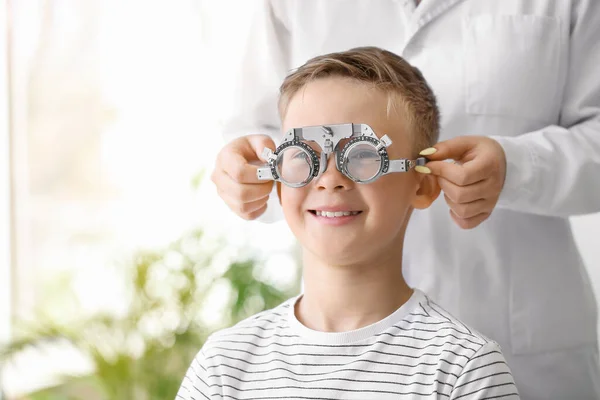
x: 446, y: 170
x: 256, y: 145
x: 455, y: 148
x: 241, y: 158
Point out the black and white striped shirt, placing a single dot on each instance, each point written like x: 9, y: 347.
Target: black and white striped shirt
x: 418, y: 352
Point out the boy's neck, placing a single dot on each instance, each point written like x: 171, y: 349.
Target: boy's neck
x: 349, y: 297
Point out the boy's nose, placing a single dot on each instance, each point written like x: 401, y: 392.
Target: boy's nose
x: 332, y: 179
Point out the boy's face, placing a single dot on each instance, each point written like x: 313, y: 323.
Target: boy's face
x: 383, y: 206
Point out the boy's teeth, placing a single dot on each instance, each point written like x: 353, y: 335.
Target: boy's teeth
x: 331, y: 214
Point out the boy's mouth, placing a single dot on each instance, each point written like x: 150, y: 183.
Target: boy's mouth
x: 333, y: 214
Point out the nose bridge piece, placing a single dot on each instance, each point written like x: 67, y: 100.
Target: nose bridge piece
x: 328, y: 137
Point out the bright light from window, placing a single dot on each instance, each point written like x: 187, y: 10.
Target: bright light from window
x: 121, y: 117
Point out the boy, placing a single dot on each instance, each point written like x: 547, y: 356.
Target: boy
x: 354, y: 122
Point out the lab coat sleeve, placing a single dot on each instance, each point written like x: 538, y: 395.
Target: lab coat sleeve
x: 485, y: 376
x: 263, y: 67
x: 195, y: 384
x: 555, y: 171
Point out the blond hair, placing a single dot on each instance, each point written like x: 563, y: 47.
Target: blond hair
x: 385, y: 71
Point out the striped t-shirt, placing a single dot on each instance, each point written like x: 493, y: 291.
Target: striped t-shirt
x: 418, y: 352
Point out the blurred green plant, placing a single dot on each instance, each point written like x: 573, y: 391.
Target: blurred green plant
x: 144, y: 352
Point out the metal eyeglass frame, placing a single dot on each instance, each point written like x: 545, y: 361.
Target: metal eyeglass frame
x: 328, y: 137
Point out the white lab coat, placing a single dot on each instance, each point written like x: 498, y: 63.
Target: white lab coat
x: 526, y: 72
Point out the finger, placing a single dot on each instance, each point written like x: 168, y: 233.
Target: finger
x: 465, y: 194
x: 250, y: 215
x: 460, y: 174
x: 455, y: 148
x: 255, y: 214
x: 469, y: 223
x: 241, y: 158
x: 469, y: 210
x: 241, y: 192
x: 237, y: 167
x: 243, y: 209
x: 257, y: 144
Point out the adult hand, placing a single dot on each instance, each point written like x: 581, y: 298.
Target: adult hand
x: 472, y: 184
x: 235, y: 176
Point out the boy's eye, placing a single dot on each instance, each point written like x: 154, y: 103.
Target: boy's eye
x: 365, y: 155
x: 295, y: 156
x: 300, y: 156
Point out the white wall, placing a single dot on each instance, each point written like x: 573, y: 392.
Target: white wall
x: 587, y: 235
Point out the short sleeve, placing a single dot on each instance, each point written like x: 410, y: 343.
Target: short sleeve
x: 485, y: 376
x: 195, y: 383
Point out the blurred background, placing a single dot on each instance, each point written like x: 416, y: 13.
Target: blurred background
x: 116, y: 256
x: 123, y: 257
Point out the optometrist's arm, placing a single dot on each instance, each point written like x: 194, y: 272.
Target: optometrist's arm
x: 263, y: 67
x: 556, y: 170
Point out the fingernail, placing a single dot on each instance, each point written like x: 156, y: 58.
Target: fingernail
x: 429, y: 151
x: 422, y: 169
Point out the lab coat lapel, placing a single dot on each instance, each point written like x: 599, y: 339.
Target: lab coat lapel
x: 427, y: 11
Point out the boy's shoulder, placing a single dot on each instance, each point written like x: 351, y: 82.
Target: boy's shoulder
x: 265, y: 325
x: 429, y: 312
x: 431, y: 322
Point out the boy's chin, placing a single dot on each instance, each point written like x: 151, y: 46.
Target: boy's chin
x: 337, y: 255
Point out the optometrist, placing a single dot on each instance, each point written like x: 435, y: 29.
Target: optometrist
x: 518, y: 85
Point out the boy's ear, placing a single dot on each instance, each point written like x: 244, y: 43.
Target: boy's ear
x: 427, y: 191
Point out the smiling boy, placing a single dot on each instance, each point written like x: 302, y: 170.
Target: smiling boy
x: 358, y: 331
